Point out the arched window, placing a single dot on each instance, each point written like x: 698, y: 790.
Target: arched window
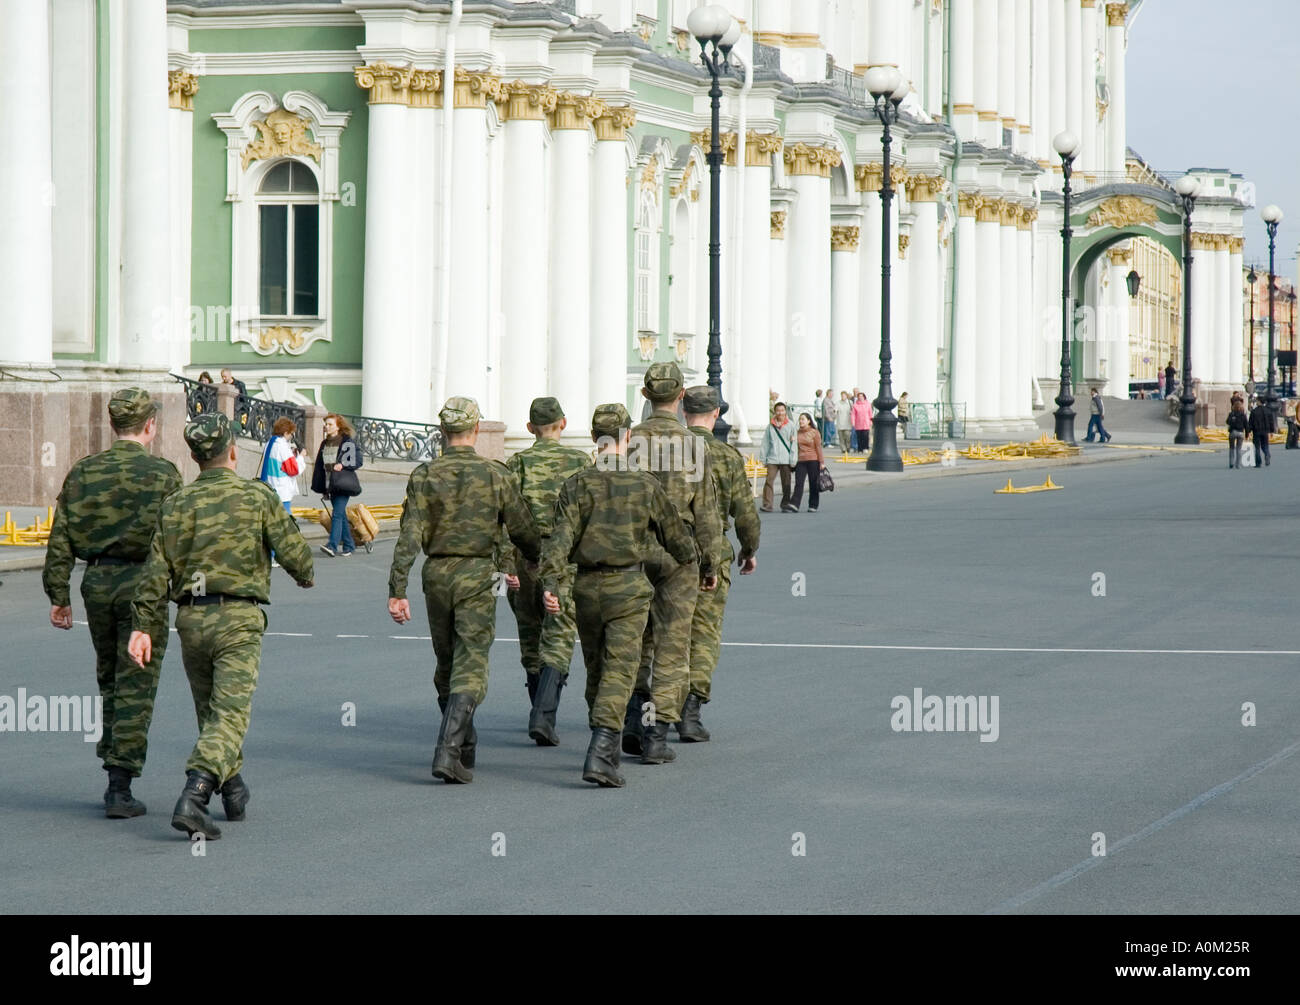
x: 288, y: 225
x: 647, y: 265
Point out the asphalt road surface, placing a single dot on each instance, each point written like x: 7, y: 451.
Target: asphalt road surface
x: 1120, y: 719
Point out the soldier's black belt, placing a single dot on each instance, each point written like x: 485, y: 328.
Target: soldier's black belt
x: 110, y: 560
x: 214, y: 598
x: 634, y: 567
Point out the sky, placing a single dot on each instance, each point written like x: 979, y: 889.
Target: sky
x: 1250, y: 126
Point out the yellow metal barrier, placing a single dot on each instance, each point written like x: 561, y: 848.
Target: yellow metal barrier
x: 1218, y: 435
x: 1010, y: 489
x: 38, y: 534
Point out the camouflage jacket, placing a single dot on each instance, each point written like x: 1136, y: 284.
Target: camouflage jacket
x: 607, y: 517
x: 735, y: 500
x: 108, y: 506
x: 456, y: 504
x: 216, y: 536
x: 668, y: 450
x: 539, y: 472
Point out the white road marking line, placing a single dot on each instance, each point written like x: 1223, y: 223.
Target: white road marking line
x: 1019, y: 649
x: 1061, y: 878
x: 292, y: 635
x: 424, y: 638
x: 352, y: 636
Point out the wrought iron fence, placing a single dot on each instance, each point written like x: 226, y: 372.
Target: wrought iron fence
x: 199, y: 397
x: 392, y: 439
x: 254, y: 417
x: 935, y: 420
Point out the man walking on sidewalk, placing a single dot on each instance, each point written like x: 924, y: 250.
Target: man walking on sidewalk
x: 1262, y: 424
x: 778, y: 452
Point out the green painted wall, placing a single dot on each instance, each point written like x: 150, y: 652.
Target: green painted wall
x: 345, y: 398
x: 300, y: 39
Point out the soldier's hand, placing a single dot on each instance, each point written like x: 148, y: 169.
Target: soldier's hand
x: 512, y: 582
x: 61, y: 617
x: 308, y: 585
x: 550, y: 602
x: 399, y: 610
x: 140, y: 647
x: 748, y: 565
x: 709, y: 583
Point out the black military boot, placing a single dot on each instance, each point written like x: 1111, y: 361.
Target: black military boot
x: 654, y: 744
x: 601, y: 765
x: 468, y: 748
x: 541, y: 723
x: 530, y: 682
x: 234, y: 797
x: 191, y: 812
x: 632, y: 728
x: 456, y: 724
x: 690, y: 729
x: 119, y: 804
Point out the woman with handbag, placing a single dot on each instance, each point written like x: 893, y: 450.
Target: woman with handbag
x: 280, y: 465
x: 335, y: 478
x: 811, y: 463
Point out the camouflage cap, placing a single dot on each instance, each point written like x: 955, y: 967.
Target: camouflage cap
x: 700, y: 400
x: 663, y: 382
x: 544, y: 411
x: 208, y: 435
x: 607, y: 420
x: 130, y: 407
x: 459, y: 415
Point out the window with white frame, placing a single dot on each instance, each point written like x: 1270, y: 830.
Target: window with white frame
x: 647, y: 265
x: 288, y: 226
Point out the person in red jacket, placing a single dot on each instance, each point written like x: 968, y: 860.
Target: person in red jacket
x: 810, y: 464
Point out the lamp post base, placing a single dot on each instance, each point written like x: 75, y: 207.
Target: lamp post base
x: 1186, y: 434
x: 1065, y: 424
x: 884, y: 454
x: 721, y: 430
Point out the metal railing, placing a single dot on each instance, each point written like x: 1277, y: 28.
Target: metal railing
x: 394, y: 440
x: 935, y: 420
x: 255, y: 418
x: 199, y: 397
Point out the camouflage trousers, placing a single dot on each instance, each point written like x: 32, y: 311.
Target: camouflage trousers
x: 462, y: 620
x: 221, y: 645
x: 611, y: 611
x: 543, y: 638
x: 706, y: 629
x: 666, y: 643
x: 127, y: 690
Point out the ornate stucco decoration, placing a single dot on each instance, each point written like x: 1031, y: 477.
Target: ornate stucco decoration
x: 759, y: 148
x: 576, y: 111
x: 778, y: 224
x: 869, y: 177
x: 647, y: 345
x: 474, y: 88
x: 282, y: 134
x: 815, y: 161
x: 727, y: 141
x: 1120, y: 254
x: 281, y: 339
x: 614, y: 122
x: 1116, y: 14
x: 1123, y: 211
x: 259, y: 128
x: 844, y: 238
x: 903, y: 241
x: 525, y: 101
x: 682, y: 347
x: 684, y: 184
x: 181, y: 88
x: 970, y: 203
x: 426, y: 89
x: 386, y: 83
x: 925, y: 187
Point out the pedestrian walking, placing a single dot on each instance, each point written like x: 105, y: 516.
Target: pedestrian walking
x: 667, y: 449
x: 779, y: 453
x: 280, y: 462
x: 106, y: 513
x: 811, y: 464
x: 334, y: 477
x: 828, y: 419
x: 861, y: 418
x: 817, y: 411
x: 210, y: 555
x: 545, y: 640
x: 456, y: 505
x: 1160, y: 383
x: 1095, y: 428
x: 1238, y: 423
x: 1262, y: 425
x: 844, y: 422
x: 605, y: 518
x: 1171, y: 376
x: 735, y: 502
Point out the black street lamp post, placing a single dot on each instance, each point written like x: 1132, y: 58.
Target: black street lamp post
x: 887, y: 88
x: 1187, y: 187
x: 1250, y: 279
x: 1066, y: 145
x: 717, y: 32
x: 1272, y: 217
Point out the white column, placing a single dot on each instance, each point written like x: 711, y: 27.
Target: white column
x: 1058, y: 114
x: 525, y: 272
x: 1074, y: 74
x: 869, y: 283
x: 1024, y: 109
x: 900, y: 326
x: 424, y: 123
x: 26, y: 184
x: 779, y: 332
x: 758, y: 315
x: 1202, y: 327
x: 570, y: 314
x: 1008, y: 70
x: 1224, y: 283
x: 965, y: 379
x: 1117, y: 323
x: 989, y: 128
x: 882, y: 33
x: 1008, y: 345
x: 388, y: 387
x: 180, y: 157
x: 609, y: 251
x: 1025, y: 320
x: 988, y: 336
x: 1236, y: 313
x: 146, y: 267
x: 963, y: 68
x: 1041, y: 96
x: 1116, y: 57
x: 925, y: 294
x: 809, y: 268
x: 844, y: 306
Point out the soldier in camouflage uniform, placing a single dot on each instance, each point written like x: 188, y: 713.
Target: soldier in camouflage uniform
x: 545, y: 641
x: 455, y: 507
x: 106, y: 512
x: 735, y: 502
x: 604, y: 519
x: 211, y: 554
x: 664, y: 447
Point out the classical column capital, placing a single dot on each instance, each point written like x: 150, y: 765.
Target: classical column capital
x: 969, y: 203
x: 870, y: 176
x: 532, y: 102
x: 1120, y: 255
x: 1087, y: 4
x: 1025, y: 217
x: 903, y: 241
x: 387, y: 84
x: 989, y: 211
x: 473, y: 88
x: 181, y: 87
x: 426, y: 89
x: 759, y: 148
x: 615, y: 122
x: 899, y: 177
x: 844, y: 238
x: 925, y: 187
x: 807, y: 160
x: 1236, y: 245
x: 778, y: 224
x: 1202, y: 241
x: 1116, y: 14
x: 1008, y: 213
x: 728, y: 141
x: 576, y: 111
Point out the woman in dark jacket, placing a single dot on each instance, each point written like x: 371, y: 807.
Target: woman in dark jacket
x: 334, y: 477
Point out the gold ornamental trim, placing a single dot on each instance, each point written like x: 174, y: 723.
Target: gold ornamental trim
x: 903, y: 241
x: 963, y: 109
x: 1119, y: 256
x: 281, y: 338
x: 474, y: 88
x: 806, y: 160
x: 899, y: 176
x: 778, y: 224
x: 280, y: 134
x: 425, y: 90
x: 1122, y: 211
x: 576, y: 111
x: 969, y: 204
x: 1008, y: 213
x: 1008, y: 122
x: 925, y: 187
x: 388, y: 84
x: 615, y: 122
x: 1024, y: 128
x: 527, y: 102
x: 1025, y: 217
x: 727, y: 141
x: 788, y: 40
x: 759, y: 148
x: 181, y: 88
x: 985, y: 116
x: 1236, y: 245
x: 989, y: 211
x: 684, y: 183
x: 844, y: 238
x: 1116, y: 15
x: 1088, y: 4
x: 869, y: 177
